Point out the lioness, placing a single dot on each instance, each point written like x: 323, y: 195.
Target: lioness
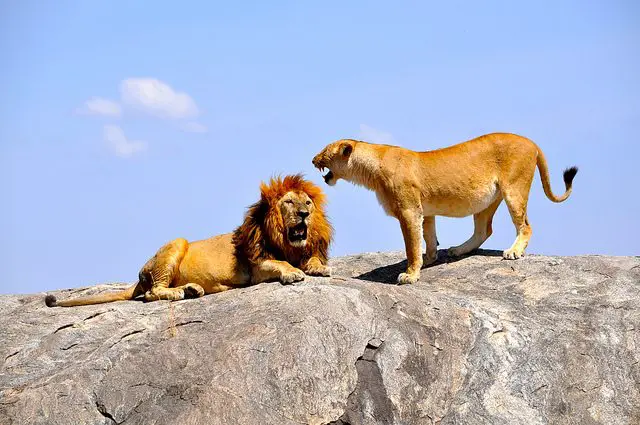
x: 286, y: 229
x: 472, y: 177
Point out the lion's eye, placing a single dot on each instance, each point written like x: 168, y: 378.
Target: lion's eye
x: 308, y: 202
x: 289, y: 201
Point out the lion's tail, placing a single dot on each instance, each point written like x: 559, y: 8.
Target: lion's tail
x: 126, y: 294
x: 568, y: 176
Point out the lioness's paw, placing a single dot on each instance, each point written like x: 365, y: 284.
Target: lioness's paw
x: 193, y: 290
x: 405, y: 278
x: 319, y: 270
x: 453, y: 252
x: 512, y: 254
x: 295, y: 275
x: 426, y: 260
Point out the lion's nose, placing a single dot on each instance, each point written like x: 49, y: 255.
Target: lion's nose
x: 303, y: 214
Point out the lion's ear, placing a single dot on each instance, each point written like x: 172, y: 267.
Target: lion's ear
x: 346, y: 149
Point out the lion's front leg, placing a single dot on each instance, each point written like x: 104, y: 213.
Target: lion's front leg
x: 314, y: 267
x: 275, y: 269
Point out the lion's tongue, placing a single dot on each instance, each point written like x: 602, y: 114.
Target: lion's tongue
x: 299, y: 232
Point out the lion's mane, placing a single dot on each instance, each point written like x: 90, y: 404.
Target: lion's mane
x: 262, y: 235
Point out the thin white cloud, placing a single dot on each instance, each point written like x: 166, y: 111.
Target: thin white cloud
x: 157, y: 98
x: 194, y: 127
x: 370, y: 134
x: 101, y: 106
x: 115, y: 138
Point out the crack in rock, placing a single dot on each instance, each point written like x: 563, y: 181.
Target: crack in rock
x: 93, y: 316
x: 11, y: 355
x: 68, y: 347
x: 137, y: 331
x: 189, y: 322
x: 369, y: 398
x: 71, y: 325
x: 63, y: 327
x: 103, y: 410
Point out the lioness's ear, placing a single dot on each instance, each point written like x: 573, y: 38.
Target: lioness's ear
x: 346, y: 149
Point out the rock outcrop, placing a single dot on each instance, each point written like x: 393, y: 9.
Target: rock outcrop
x: 541, y: 340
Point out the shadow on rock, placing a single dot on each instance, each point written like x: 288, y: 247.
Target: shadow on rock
x: 389, y: 274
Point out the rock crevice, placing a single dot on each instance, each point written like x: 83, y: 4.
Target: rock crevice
x: 368, y: 402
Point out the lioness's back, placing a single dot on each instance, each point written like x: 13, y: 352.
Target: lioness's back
x: 504, y: 142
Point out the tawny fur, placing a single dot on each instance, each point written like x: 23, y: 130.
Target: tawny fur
x: 469, y: 178
x: 259, y: 250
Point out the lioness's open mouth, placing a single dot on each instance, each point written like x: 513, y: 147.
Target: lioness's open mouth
x: 298, y: 233
x: 327, y: 177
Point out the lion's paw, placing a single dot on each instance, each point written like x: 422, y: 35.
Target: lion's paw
x: 406, y: 278
x: 512, y: 254
x: 295, y: 275
x: 320, y: 270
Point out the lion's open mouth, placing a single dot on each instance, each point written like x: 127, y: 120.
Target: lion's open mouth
x: 298, y: 233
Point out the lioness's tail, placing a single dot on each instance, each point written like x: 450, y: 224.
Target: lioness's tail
x: 126, y: 294
x: 568, y: 176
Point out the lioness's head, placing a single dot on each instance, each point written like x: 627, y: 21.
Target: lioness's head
x: 335, y: 158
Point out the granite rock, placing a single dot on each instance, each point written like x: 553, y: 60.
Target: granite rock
x: 478, y: 340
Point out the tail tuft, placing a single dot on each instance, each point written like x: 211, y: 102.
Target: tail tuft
x: 50, y: 301
x: 568, y: 176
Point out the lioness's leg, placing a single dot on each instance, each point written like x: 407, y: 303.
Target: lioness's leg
x: 411, y: 224
x: 161, y: 270
x: 481, y: 230
x: 275, y: 269
x: 516, y: 200
x: 429, y: 234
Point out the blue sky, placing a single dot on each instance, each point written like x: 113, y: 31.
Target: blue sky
x: 126, y: 124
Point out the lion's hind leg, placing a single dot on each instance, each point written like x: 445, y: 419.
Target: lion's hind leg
x: 482, y: 229
x: 160, y: 271
x: 193, y: 290
x: 190, y: 290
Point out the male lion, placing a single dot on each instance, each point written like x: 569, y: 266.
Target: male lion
x: 472, y: 177
x: 287, y: 228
